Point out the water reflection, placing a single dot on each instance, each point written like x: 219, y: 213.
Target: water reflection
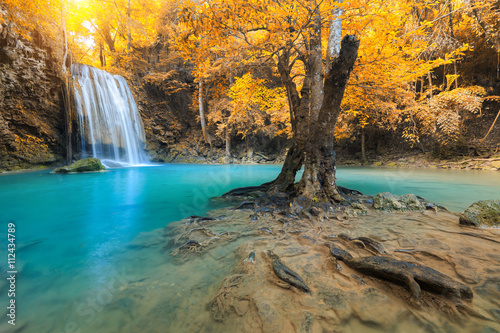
x: 112, y: 220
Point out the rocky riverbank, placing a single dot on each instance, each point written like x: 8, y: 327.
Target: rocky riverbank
x: 216, y: 273
x: 201, y: 154
x: 491, y: 163
x: 197, y: 153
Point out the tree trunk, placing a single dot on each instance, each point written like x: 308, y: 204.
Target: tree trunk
x: 430, y: 83
x: 102, y: 57
x: 318, y: 180
x: 450, y: 19
x: 316, y: 65
x: 363, y: 146
x: 202, y: 114
x: 228, y: 141
x: 228, y: 127
x: 299, y: 115
x: 334, y: 36
x: 110, y: 41
x: 452, y: 35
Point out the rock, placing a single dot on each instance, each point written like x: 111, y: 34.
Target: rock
x: 30, y: 95
x: 84, y: 165
x: 389, y: 202
x: 484, y: 213
x: 356, y: 209
x: 434, y: 243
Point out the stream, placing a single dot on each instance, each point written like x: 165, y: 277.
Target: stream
x: 88, y: 246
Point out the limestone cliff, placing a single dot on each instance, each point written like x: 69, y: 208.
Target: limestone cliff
x: 31, y: 112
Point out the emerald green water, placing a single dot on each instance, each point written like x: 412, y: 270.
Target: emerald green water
x: 73, y: 232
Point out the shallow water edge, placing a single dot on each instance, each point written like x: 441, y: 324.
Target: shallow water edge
x: 215, y: 288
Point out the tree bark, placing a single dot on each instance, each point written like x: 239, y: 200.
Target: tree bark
x: 429, y: 76
x: 110, y: 41
x: 206, y: 136
x: 102, y: 57
x: 363, y: 146
x: 334, y: 36
x: 299, y: 115
x: 228, y: 126
x: 318, y: 180
x: 316, y: 65
x: 228, y: 141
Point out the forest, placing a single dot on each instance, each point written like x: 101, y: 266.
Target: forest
x: 222, y: 79
x: 250, y: 165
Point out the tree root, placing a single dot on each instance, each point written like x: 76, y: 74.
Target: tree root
x: 224, y: 302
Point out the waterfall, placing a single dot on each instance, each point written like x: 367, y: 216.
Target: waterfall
x: 111, y: 128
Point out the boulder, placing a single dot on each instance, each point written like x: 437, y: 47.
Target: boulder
x: 484, y: 213
x: 389, y: 202
x: 84, y: 165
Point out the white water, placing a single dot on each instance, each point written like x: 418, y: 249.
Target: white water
x: 111, y: 128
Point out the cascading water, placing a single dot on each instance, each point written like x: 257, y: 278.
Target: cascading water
x: 111, y: 128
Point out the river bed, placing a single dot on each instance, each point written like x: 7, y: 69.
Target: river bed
x: 89, y: 258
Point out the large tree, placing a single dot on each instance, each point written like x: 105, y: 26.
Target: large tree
x: 302, y: 40
x: 289, y: 35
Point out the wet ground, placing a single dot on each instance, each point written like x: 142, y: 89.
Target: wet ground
x: 202, y: 282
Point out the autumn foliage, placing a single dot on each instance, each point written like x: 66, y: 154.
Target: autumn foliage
x: 412, y: 76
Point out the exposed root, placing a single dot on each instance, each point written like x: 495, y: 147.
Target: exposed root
x: 191, y: 246
x: 225, y: 302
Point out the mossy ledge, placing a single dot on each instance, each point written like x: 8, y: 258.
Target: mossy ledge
x: 83, y: 165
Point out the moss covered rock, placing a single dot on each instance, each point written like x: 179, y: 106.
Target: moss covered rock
x: 84, y: 165
x: 389, y: 202
x: 356, y: 209
x: 484, y: 213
